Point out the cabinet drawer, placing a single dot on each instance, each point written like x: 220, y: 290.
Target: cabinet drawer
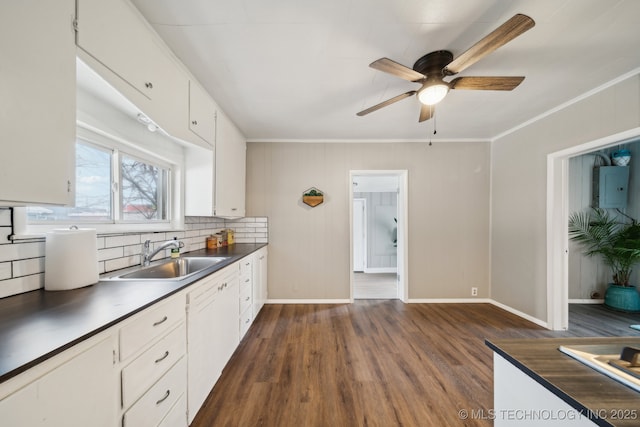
x: 245, y: 320
x: 150, y: 325
x: 246, y: 266
x: 246, y: 286
x: 245, y: 281
x: 245, y: 302
x: 145, y: 370
x: 206, y: 288
x: 177, y: 416
x: 155, y: 404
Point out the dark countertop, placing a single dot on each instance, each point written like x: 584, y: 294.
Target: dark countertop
x: 37, y: 325
x: 580, y: 386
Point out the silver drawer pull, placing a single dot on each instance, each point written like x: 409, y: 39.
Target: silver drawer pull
x: 160, y: 322
x: 247, y: 298
x: 262, y: 257
x: 166, y: 395
x: 247, y: 321
x: 166, y: 354
x: 247, y: 280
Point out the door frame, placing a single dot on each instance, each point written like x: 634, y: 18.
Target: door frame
x: 403, y: 226
x: 557, y: 224
x: 364, y: 231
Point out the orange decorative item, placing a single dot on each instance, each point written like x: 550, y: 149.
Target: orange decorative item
x: 312, y: 197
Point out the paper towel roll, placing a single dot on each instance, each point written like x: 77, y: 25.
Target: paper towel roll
x: 71, y: 259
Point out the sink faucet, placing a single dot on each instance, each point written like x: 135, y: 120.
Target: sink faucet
x: 147, y: 253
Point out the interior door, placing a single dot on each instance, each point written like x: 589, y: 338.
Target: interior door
x: 359, y: 234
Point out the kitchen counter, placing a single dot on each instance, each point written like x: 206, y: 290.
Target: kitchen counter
x: 593, y: 395
x: 37, y: 325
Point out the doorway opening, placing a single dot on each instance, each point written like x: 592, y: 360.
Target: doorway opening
x: 558, y: 212
x: 378, y: 234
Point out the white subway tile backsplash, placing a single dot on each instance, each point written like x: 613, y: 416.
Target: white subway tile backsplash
x: 111, y: 253
x: 154, y: 237
x: 129, y: 239
x: 132, y: 250
x: 13, y: 251
x: 118, y: 263
x: 5, y: 217
x: 22, y: 262
x: 21, y: 285
x: 26, y: 267
x: 5, y: 270
x: 5, y: 232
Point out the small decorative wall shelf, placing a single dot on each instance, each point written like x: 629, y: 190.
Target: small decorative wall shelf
x: 312, y: 197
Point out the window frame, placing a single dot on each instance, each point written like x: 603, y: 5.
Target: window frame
x: 89, y: 135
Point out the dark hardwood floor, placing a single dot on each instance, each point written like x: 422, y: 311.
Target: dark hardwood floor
x: 375, y: 363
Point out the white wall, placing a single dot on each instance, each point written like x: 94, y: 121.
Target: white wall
x: 448, y: 233
x: 518, y: 190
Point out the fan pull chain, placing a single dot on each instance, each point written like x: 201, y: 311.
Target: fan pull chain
x: 434, y: 124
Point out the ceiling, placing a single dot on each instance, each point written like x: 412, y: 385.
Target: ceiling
x: 298, y: 70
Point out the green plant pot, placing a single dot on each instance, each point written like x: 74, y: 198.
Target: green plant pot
x: 622, y: 298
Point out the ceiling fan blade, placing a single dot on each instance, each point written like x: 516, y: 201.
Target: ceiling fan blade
x: 486, y: 83
x: 506, y: 32
x: 398, y: 70
x: 387, y: 102
x: 426, y: 112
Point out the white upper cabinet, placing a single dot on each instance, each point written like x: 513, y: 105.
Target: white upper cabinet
x: 231, y: 164
x: 118, y: 43
x: 202, y: 113
x: 215, y: 181
x: 37, y: 102
x: 115, y: 34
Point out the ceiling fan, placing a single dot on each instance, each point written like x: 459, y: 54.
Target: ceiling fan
x: 431, y: 69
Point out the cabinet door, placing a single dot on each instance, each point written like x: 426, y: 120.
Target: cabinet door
x: 231, y: 160
x: 213, y: 334
x: 203, y: 367
x: 262, y: 256
x: 81, y: 392
x: 202, y: 113
x: 37, y: 101
x: 199, y: 178
x: 135, y: 61
x: 113, y: 33
x: 228, y: 315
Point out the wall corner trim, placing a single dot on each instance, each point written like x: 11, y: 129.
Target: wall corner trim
x: 520, y: 314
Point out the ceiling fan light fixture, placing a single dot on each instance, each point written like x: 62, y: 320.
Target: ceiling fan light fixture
x: 432, y: 94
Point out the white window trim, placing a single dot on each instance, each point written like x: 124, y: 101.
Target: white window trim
x: 24, y: 230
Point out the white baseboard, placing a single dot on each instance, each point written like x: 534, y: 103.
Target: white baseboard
x: 520, y: 314
x: 381, y: 270
x: 447, y: 300
x: 586, y: 301
x: 308, y: 301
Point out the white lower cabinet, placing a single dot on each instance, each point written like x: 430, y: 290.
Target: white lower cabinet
x: 157, y: 402
x: 153, y: 360
x: 154, y: 369
x: 80, y: 391
x: 260, y: 282
x: 212, y: 332
x: 177, y: 416
x: 247, y: 266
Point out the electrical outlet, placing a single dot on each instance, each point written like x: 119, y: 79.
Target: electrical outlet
x: 474, y: 292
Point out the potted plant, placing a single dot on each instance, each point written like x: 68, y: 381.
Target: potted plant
x: 617, y: 242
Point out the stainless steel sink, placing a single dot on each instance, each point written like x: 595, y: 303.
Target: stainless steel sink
x: 175, y: 269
